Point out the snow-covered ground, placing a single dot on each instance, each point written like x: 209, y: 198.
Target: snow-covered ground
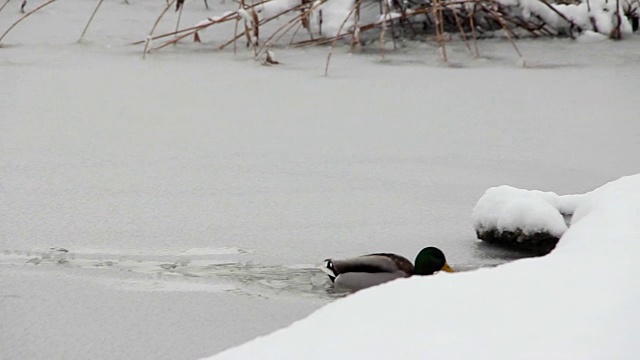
x: 187, y: 197
x: 579, y: 302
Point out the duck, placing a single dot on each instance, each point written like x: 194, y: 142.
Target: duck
x: 373, y: 269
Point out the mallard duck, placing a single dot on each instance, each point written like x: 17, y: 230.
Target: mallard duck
x: 373, y: 269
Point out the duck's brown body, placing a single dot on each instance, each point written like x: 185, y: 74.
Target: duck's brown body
x: 367, y: 270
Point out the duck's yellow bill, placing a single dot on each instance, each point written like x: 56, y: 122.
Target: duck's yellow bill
x: 447, y: 268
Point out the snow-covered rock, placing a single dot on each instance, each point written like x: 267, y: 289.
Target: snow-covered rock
x: 522, y: 219
x: 509, y: 208
x: 579, y: 302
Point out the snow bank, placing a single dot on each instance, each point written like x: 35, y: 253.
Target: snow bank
x: 579, y: 302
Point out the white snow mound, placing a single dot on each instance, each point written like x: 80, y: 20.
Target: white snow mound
x: 506, y: 208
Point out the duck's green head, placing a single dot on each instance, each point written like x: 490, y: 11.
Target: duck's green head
x: 430, y: 260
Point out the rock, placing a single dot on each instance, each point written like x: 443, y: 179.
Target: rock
x: 538, y: 243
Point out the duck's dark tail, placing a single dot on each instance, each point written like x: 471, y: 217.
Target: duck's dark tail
x: 327, y: 268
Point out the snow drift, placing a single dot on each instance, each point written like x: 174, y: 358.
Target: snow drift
x: 579, y: 302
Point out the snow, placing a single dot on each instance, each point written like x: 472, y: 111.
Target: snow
x: 334, y: 13
x: 506, y: 208
x: 589, y: 36
x: 600, y: 16
x: 578, y: 302
x: 275, y: 7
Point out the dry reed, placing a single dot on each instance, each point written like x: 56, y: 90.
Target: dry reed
x: 24, y: 17
x: 90, y: 19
